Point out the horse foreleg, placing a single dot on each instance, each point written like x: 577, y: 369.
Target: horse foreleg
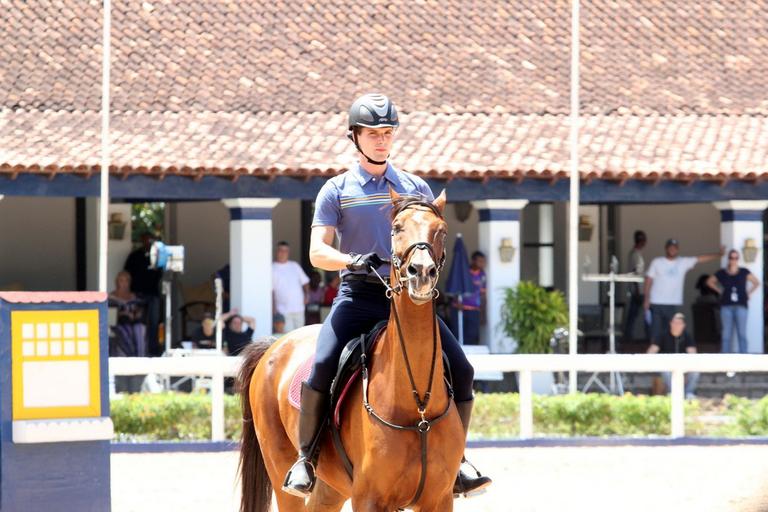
x: 325, y: 499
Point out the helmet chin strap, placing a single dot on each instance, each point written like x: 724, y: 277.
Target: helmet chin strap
x: 370, y: 160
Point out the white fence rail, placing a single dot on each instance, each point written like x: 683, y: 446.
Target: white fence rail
x: 218, y: 367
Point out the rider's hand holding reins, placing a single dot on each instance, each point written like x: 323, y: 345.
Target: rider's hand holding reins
x: 367, y: 262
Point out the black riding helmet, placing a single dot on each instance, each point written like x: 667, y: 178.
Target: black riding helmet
x: 371, y: 111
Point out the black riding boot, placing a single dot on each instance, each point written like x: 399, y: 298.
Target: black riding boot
x: 467, y: 484
x: 301, y: 477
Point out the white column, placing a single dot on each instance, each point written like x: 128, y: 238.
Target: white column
x: 741, y: 221
x: 546, y: 252
x: 499, y: 223
x: 250, y: 259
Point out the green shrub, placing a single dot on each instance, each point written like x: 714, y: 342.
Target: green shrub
x: 183, y: 417
x: 531, y: 314
x: 171, y: 416
x: 750, y: 416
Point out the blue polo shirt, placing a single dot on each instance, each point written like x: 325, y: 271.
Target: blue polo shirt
x: 358, y: 205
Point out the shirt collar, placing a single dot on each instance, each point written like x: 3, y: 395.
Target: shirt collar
x: 364, y: 177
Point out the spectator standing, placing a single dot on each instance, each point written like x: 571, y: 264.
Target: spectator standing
x: 473, y: 304
x: 635, y: 296
x: 315, y: 297
x: 145, y: 282
x: 233, y: 335
x: 290, y: 288
x: 676, y: 340
x: 731, y: 283
x: 664, y: 284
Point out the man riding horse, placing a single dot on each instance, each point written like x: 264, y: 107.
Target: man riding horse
x: 356, y: 206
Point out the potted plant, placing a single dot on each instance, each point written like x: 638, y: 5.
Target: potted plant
x: 530, y: 316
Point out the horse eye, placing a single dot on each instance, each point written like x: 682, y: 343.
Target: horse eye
x: 397, y: 229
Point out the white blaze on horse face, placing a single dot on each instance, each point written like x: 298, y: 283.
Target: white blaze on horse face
x: 420, y: 269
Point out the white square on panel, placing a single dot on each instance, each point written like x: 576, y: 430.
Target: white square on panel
x: 54, y: 330
x: 69, y: 347
x: 55, y: 383
x: 82, y: 329
x: 42, y: 348
x: 42, y: 331
x: 27, y: 349
x: 55, y: 348
x: 69, y: 330
x: 27, y: 331
x: 82, y: 347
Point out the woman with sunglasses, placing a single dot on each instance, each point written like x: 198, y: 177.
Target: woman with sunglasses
x: 731, y: 283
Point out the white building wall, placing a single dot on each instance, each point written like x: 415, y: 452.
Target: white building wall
x: 117, y: 250
x: 37, y: 243
x: 203, y: 229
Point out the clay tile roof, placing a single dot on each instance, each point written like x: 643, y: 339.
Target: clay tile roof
x: 672, y: 89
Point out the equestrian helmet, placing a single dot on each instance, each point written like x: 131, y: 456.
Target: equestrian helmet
x: 373, y: 111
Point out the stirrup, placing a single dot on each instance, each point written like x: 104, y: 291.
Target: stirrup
x: 480, y: 488
x: 309, y: 468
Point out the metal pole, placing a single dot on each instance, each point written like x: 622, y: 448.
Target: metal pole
x: 219, y: 284
x: 573, y: 225
x: 104, y: 177
x: 460, y: 315
x: 167, y: 289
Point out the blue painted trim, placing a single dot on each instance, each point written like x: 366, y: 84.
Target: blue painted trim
x: 557, y: 442
x: 541, y: 442
x: 741, y: 215
x: 209, y: 188
x: 171, y: 446
x: 488, y: 215
x: 250, y: 213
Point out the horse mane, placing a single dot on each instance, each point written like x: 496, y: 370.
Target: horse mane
x: 405, y: 202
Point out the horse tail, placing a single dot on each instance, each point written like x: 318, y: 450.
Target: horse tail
x: 254, y: 481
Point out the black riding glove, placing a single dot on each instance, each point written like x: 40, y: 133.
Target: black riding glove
x: 365, y: 262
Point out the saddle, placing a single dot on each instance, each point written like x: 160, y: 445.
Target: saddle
x: 347, y: 375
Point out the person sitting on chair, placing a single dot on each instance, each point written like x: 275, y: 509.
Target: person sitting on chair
x: 205, y: 335
x: 676, y: 340
x: 233, y: 335
x: 356, y: 206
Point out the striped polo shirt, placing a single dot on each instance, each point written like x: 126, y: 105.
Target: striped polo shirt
x: 357, y: 204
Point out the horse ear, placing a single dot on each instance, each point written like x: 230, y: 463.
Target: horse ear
x: 393, y: 195
x: 440, y: 201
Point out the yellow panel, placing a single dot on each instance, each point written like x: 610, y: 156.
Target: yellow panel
x: 50, y: 337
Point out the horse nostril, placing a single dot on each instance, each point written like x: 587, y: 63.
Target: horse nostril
x: 433, y: 272
x: 412, y: 270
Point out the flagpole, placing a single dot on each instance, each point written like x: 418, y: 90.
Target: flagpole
x: 104, y: 175
x: 573, y: 218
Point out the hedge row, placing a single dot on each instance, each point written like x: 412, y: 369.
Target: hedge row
x: 177, y: 416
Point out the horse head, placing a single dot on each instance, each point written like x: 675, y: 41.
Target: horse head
x: 419, y: 232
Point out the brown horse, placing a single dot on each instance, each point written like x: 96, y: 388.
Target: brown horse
x: 387, y: 461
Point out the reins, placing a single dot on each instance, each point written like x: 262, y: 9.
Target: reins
x: 424, y: 425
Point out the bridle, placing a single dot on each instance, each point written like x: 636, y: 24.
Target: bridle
x: 398, y: 262
x: 424, y: 425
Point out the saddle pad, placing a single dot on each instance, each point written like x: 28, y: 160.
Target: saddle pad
x: 302, y: 374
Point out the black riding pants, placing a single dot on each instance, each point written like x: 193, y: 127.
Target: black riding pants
x: 357, y: 308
